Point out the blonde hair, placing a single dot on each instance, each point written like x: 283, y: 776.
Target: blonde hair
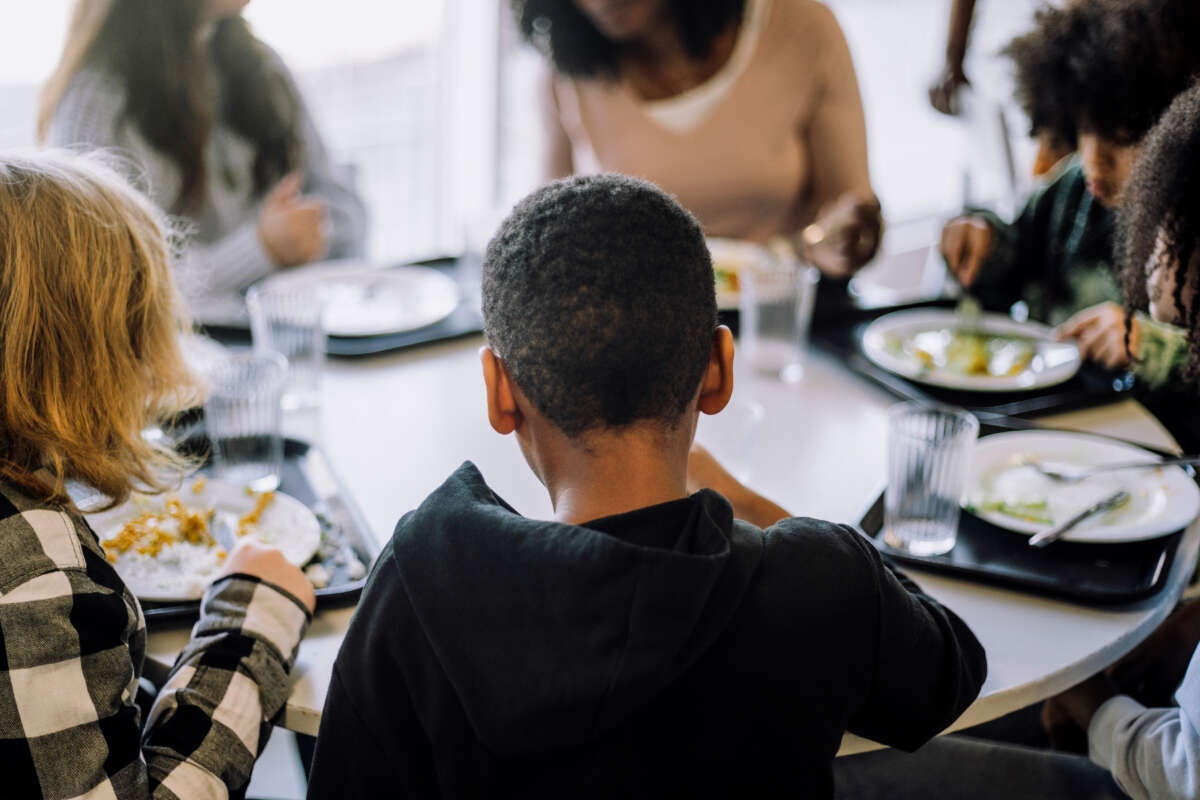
x: 87, y: 18
x: 89, y: 329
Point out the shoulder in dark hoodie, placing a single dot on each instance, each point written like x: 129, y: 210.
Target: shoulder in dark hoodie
x: 668, y: 650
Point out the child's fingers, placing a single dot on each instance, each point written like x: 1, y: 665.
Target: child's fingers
x: 287, y: 189
x: 1075, y: 327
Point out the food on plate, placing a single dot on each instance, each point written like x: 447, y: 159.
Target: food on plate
x: 317, y: 575
x: 1031, y: 511
x: 248, y: 522
x: 726, y: 276
x: 150, y: 531
x: 967, y: 352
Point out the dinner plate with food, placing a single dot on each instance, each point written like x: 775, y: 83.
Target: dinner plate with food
x: 167, y: 547
x: 980, y: 353
x: 363, y: 299
x: 1007, y: 488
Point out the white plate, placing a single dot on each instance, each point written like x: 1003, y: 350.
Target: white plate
x: 367, y: 300
x: 1054, y: 362
x: 734, y: 257
x: 182, y: 571
x: 1162, y: 500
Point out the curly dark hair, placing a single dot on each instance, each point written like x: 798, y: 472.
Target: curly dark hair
x: 1162, y: 204
x: 598, y: 297
x: 563, y: 33
x: 149, y: 45
x: 1107, y: 67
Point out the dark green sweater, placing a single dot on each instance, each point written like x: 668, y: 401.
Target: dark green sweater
x: 1058, y: 257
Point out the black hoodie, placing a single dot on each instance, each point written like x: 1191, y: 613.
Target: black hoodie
x: 669, y: 651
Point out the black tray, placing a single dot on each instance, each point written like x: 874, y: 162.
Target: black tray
x: 464, y: 321
x: 1091, y: 386
x: 307, y: 477
x: 1092, y: 573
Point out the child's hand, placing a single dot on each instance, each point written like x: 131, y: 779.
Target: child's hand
x: 1100, y: 332
x: 292, y: 226
x: 268, y: 564
x: 966, y: 244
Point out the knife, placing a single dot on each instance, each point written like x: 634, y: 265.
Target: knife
x: 1054, y: 534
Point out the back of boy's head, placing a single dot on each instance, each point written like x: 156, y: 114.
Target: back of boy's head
x: 1105, y: 67
x: 598, y: 297
x: 89, y: 320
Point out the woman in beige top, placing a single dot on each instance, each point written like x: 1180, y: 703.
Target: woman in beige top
x: 746, y: 110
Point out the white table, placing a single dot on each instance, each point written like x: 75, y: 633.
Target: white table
x: 396, y: 426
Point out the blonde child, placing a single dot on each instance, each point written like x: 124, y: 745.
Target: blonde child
x: 89, y: 357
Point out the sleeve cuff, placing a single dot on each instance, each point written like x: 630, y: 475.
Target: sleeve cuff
x: 1162, y: 350
x: 1114, y: 714
x: 244, y: 247
x: 254, y: 607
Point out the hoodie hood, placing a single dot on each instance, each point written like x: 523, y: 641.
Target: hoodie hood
x: 552, y: 634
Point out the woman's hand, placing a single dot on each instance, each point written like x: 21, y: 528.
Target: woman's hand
x: 845, y: 235
x: 1100, y: 332
x: 705, y: 472
x: 944, y: 91
x: 292, y: 226
x: 966, y: 243
x: 268, y: 564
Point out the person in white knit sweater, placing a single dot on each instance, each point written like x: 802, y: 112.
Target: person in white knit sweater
x: 214, y: 130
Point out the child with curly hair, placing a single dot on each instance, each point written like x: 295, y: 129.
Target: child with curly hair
x: 1095, y: 74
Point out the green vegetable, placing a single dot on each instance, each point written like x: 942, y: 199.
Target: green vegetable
x: 1035, y: 511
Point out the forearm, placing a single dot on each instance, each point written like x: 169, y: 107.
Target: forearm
x: 231, y: 680
x: 929, y: 668
x: 961, y: 14
x: 1152, y: 753
x: 752, y: 507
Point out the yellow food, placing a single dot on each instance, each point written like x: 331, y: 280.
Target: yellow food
x: 246, y: 523
x: 150, y: 531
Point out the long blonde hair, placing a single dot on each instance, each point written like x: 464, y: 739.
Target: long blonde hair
x: 89, y: 329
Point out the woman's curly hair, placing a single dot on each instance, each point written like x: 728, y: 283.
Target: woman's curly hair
x: 1160, y: 215
x: 1107, y: 67
x: 577, y: 48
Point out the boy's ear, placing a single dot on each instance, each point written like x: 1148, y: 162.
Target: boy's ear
x: 717, y: 386
x: 503, y: 413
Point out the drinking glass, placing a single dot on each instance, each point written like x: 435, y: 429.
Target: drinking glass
x: 243, y: 414
x: 286, y: 319
x: 776, y: 306
x: 929, y: 448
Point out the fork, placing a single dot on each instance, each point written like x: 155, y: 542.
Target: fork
x: 1087, y: 472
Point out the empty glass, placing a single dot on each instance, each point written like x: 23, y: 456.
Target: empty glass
x: 776, y: 306
x: 243, y: 414
x: 286, y: 319
x: 929, y: 448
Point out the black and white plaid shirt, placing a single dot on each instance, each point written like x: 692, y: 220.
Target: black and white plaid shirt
x: 72, y: 640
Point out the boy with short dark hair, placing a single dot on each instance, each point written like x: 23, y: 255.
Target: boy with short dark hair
x: 644, y: 642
